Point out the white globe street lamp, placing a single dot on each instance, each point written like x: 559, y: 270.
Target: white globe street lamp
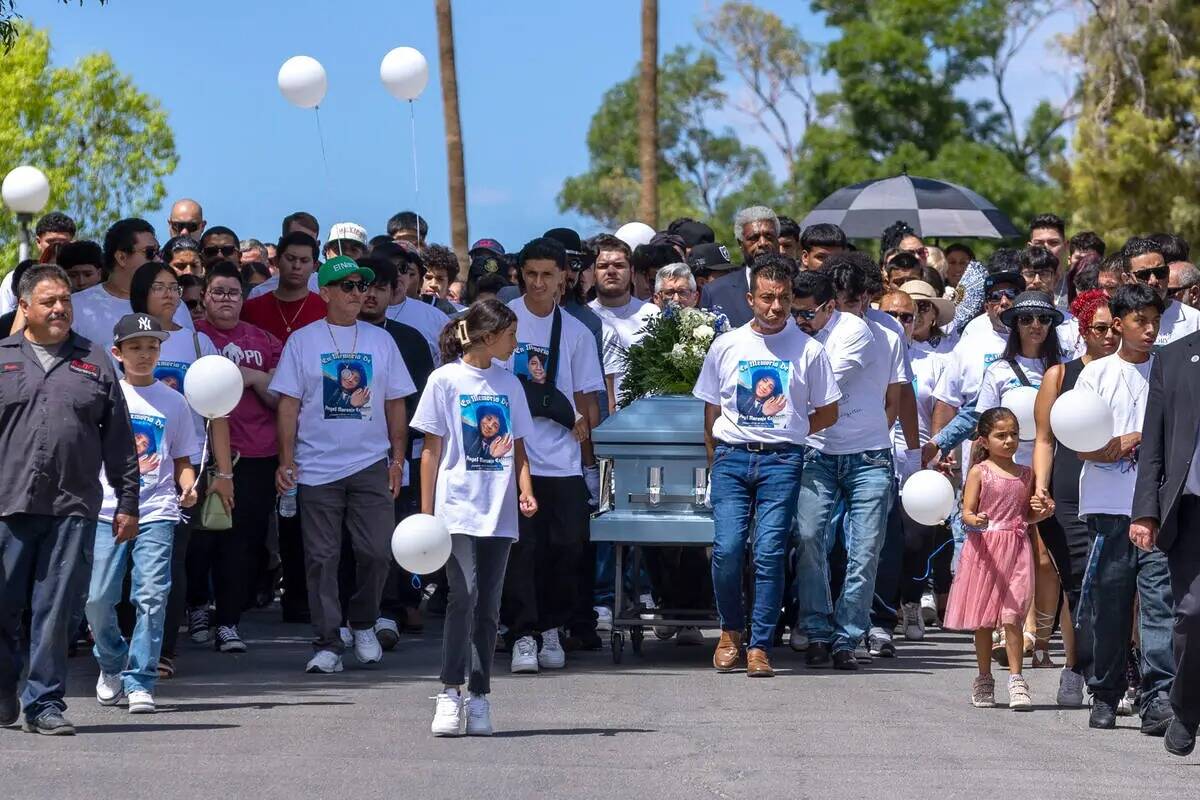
x: 26, y: 191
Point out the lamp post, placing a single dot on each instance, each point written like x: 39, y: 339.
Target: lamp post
x: 26, y: 191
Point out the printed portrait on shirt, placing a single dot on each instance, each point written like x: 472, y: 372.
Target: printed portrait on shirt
x: 147, y: 440
x: 532, y: 361
x: 171, y: 373
x: 346, y: 380
x: 762, y: 393
x: 486, y: 431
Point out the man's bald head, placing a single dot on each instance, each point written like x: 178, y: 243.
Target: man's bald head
x: 898, y: 301
x: 187, y: 218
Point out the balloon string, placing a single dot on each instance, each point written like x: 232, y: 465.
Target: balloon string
x: 203, y: 456
x: 325, y: 162
x: 412, y: 118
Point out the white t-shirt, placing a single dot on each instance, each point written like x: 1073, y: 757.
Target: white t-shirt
x: 998, y: 380
x: 862, y: 417
x: 623, y: 328
x: 342, y: 376
x: 958, y: 385
x: 272, y: 283
x: 8, y: 300
x: 1177, y: 322
x: 425, y: 318
x: 479, y: 413
x: 766, y: 386
x: 97, y: 312
x: 178, y: 353
x: 927, y: 360
x: 1108, y: 488
x: 552, y: 449
x: 162, y: 432
x: 897, y: 330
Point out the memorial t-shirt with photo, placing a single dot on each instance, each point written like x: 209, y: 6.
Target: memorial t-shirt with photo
x: 342, y: 376
x: 480, y: 414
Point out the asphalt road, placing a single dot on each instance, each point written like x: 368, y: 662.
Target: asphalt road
x: 662, y: 725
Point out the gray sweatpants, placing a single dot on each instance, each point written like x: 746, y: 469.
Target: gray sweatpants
x: 363, y: 505
x: 475, y: 573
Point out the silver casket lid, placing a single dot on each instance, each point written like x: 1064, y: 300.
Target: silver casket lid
x: 665, y: 419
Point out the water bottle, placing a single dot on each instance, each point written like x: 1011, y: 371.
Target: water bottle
x: 287, y: 500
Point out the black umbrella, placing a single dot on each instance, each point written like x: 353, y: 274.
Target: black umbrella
x: 932, y: 208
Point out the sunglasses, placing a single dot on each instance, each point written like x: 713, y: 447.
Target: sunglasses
x: 1041, y: 319
x: 809, y: 315
x: 227, y: 250
x: 184, y: 226
x: 924, y: 306
x: 1178, y: 290
x: 1001, y: 294
x: 1100, y: 329
x: 1158, y: 273
x: 904, y: 317
x: 151, y: 253
x: 354, y: 286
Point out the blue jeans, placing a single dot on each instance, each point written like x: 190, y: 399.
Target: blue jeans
x: 1118, y: 573
x: 44, y: 564
x: 137, y: 660
x: 760, y: 488
x: 864, y: 482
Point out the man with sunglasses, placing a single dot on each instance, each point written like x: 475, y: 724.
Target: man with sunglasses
x: 1144, y: 260
x: 343, y: 434
x: 186, y: 219
x: 219, y: 244
x: 128, y: 244
x: 407, y: 306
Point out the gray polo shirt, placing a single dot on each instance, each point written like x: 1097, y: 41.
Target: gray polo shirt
x: 58, y: 427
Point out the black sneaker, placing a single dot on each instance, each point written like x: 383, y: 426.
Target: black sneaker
x: 817, y: 654
x: 1103, y: 716
x: 844, y: 659
x: 199, y: 625
x: 1179, y: 739
x: 10, y: 709
x: 228, y: 641
x: 1156, y: 716
x: 50, y: 723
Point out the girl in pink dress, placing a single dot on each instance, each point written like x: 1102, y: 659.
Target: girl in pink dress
x: 994, y: 582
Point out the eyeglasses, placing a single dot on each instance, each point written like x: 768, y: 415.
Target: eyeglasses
x: 1041, y: 319
x: 227, y: 250
x: 1178, y: 290
x: 1001, y: 294
x: 1034, y: 274
x: 225, y: 294
x: 354, y: 286
x: 676, y: 292
x: 1100, y: 329
x: 1158, y: 273
x: 183, y: 226
x: 167, y: 288
x: 905, y: 317
x: 810, y: 314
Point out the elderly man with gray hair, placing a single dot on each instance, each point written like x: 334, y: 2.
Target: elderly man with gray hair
x: 757, y: 231
x: 675, y: 283
x: 1183, y: 283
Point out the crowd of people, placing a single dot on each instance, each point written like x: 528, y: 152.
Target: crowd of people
x: 388, y: 376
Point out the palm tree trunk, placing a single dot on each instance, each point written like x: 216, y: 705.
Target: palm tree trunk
x: 648, y: 116
x: 456, y: 170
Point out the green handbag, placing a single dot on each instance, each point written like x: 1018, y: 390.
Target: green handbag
x: 213, y: 516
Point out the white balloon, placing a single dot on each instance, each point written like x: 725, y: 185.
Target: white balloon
x: 421, y: 544
x: 25, y: 190
x: 302, y: 81
x: 928, y: 497
x: 1020, y: 401
x: 212, y: 386
x: 635, y: 233
x: 404, y: 71
x: 1081, y: 420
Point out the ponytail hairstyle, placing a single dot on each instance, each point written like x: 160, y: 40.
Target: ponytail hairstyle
x: 484, y: 317
x: 987, y: 423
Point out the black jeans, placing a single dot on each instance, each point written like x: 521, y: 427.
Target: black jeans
x: 888, y: 574
x: 1183, y: 561
x: 177, y: 599
x: 294, y: 603
x: 540, y: 588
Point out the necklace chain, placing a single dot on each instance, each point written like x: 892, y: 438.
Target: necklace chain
x: 336, y: 346
x: 288, y: 323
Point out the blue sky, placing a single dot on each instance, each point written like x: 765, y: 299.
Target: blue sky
x: 530, y: 74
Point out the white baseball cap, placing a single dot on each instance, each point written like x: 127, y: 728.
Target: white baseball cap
x: 348, y: 231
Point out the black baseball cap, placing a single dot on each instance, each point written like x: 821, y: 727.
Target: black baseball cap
x: 488, y: 245
x: 578, y: 257
x: 134, y: 326
x: 695, y: 233
x: 713, y: 257
x: 487, y: 262
x: 1004, y: 276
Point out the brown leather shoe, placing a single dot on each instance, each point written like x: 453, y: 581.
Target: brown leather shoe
x: 757, y: 664
x: 728, y: 655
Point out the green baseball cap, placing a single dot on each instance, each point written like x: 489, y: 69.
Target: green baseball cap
x: 341, y: 267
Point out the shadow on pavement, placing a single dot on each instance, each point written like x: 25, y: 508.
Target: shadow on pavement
x: 147, y: 727
x: 569, y: 732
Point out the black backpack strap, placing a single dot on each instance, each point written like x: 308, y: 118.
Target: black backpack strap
x: 555, y: 335
x: 1020, y: 373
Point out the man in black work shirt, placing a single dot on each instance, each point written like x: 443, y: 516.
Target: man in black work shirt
x: 62, y: 416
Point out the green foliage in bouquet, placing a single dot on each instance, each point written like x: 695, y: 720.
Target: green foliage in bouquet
x: 668, y: 358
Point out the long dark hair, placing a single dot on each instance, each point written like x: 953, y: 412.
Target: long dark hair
x: 484, y: 317
x: 139, y: 285
x: 1049, y: 354
x: 985, y: 426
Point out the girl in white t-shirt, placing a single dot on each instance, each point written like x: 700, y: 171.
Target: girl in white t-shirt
x: 474, y: 478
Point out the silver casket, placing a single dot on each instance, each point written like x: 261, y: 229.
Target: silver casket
x: 654, y: 472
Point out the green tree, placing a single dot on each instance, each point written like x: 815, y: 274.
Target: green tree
x: 9, y: 28
x: 104, y: 145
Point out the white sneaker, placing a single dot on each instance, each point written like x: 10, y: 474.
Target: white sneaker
x: 347, y: 637
x: 524, y: 656
x: 604, y: 619
x: 141, y: 702
x: 1070, y: 688
x: 366, y: 647
x: 798, y: 639
x: 447, y: 715
x: 109, y: 689
x: 928, y: 608
x: 1125, y: 707
x: 689, y: 636
x: 325, y: 661
x: 914, y: 622
x: 551, y: 656
x: 387, y: 632
x: 479, y: 716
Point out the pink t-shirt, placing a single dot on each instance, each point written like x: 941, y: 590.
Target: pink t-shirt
x: 252, y: 423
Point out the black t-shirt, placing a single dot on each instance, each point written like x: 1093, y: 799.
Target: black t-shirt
x: 414, y: 349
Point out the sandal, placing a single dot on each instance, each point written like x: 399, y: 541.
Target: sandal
x: 999, y: 648
x: 1041, y: 656
x: 1030, y: 642
x: 166, y: 667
